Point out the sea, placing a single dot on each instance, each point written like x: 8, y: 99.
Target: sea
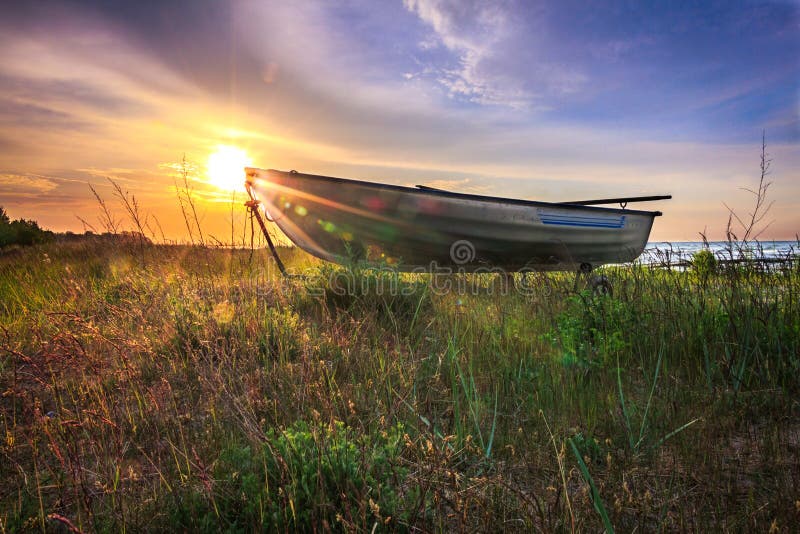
x: 681, y: 251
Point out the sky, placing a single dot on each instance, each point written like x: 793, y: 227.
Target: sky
x: 544, y: 100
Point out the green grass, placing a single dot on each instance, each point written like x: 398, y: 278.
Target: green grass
x: 180, y: 388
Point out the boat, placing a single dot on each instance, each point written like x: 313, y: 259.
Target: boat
x: 424, y: 229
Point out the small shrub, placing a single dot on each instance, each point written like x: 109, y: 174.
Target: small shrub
x: 593, y: 329
x: 704, y: 263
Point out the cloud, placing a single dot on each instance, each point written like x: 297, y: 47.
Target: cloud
x: 497, y: 58
x: 80, y: 72
x: 306, y: 50
x: 25, y: 184
x: 71, y: 94
x: 471, y: 30
x: 471, y: 26
x: 14, y: 114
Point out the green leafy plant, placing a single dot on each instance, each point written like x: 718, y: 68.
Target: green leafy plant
x: 304, y: 476
x: 704, y: 263
x: 592, y: 329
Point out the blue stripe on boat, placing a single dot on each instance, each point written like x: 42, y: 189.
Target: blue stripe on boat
x: 582, y: 220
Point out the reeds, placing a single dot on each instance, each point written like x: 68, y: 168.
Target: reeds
x: 158, y: 393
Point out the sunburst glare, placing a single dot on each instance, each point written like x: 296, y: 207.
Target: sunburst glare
x: 225, y: 167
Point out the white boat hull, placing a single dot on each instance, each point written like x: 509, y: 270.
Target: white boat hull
x: 410, y: 229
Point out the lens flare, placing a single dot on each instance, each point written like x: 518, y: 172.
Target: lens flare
x: 225, y: 167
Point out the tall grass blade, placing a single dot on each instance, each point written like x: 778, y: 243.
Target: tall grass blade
x: 624, y: 408
x: 494, y: 426
x: 674, y: 432
x: 596, y: 499
x: 643, y: 425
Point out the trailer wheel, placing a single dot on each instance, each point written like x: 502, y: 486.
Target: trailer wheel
x: 601, y: 286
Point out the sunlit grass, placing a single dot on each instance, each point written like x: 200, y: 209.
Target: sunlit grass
x: 187, y: 388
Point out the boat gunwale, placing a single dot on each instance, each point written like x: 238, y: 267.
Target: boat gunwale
x: 249, y: 171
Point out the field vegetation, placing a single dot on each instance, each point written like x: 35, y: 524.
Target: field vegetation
x: 192, y: 388
x: 164, y: 388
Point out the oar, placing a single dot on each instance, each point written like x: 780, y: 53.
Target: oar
x: 622, y: 200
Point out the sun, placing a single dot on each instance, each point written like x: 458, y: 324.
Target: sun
x: 226, y: 167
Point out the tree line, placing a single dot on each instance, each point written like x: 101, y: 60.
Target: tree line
x: 20, y: 231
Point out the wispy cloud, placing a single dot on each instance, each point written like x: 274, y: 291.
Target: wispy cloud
x: 25, y: 183
x: 497, y: 57
x: 15, y: 113
x: 472, y: 30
